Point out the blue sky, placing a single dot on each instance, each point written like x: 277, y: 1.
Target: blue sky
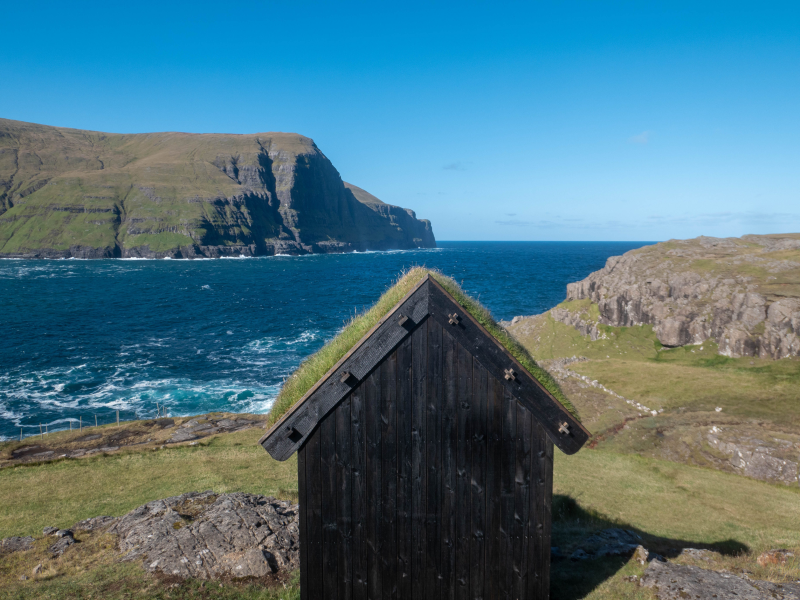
x: 497, y: 121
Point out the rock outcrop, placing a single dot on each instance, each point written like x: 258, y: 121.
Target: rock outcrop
x: 84, y: 194
x: 199, y: 535
x: 744, y: 293
x: 15, y: 544
x: 676, y: 582
x: 209, y: 536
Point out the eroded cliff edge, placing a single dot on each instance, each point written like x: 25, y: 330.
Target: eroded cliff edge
x: 84, y: 194
x: 744, y: 293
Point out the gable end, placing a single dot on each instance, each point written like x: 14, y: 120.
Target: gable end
x: 427, y: 300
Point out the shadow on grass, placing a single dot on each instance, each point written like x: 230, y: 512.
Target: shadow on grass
x: 574, y: 579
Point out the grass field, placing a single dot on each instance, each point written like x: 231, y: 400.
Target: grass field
x: 632, y: 362
x: 64, y: 492
x: 670, y: 505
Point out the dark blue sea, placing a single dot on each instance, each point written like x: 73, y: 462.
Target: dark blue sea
x: 82, y: 338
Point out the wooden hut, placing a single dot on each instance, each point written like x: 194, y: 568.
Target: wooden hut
x: 425, y: 462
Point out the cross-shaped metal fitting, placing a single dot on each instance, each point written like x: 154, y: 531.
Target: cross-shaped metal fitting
x: 454, y: 319
x: 564, y: 428
x: 510, y: 375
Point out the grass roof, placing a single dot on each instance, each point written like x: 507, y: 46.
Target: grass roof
x: 317, y: 365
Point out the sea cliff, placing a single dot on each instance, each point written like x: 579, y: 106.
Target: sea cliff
x: 85, y: 194
x: 744, y: 293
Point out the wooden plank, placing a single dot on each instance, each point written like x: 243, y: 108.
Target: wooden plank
x: 521, y: 500
x: 507, y: 493
x: 464, y: 474
x: 388, y: 370
x: 433, y: 451
x: 344, y: 500
x: 372, y: 424
x: 547, y: 520
x: 494, y: 458
x: 478, y: 417
x: 535, y: 525
x: 449, y: 451
x: 314, y: 516
x: 330, y: 390
x: 419, y: 479
x: 303, y: 503
x: 496, y: 359
x: 404, y: 480
x: 359, y: 495
x: 330, y: 533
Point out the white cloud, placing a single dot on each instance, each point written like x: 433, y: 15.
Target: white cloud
x: 641, y: 138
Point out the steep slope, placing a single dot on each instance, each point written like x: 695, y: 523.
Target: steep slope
x: 744, y: 293
x: 68, y: 192
x: 669, y: 352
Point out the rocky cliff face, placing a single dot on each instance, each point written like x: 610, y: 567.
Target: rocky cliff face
x: 742, y: 292
x: 72, y: 193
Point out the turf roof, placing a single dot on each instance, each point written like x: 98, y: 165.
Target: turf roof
x: 317, y: 365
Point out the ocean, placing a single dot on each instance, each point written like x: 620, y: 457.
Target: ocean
x: 82, y: 339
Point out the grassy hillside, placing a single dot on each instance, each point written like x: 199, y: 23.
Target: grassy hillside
x: 71, y: 192
x: 669, y: 505
x: 758, y: 399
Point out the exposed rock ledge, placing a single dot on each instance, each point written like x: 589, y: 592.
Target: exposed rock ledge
x: 676, y: 582
x: 202, y: 535
x: 208, y: 536
x: 742, y: 292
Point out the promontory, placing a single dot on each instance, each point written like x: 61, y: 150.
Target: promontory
x: 85, y: 194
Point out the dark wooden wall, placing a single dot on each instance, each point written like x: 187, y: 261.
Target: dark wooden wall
x: 428, y: 481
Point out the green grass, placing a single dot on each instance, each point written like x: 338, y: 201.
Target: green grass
x: 585, y: 308
x: 632, y: 362
x: 115, y: 484
x: 769, y: 392
x: 316, y: 366
x: 680, y: 502
x: 670, y: 505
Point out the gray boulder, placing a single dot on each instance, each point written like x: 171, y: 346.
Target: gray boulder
x: 208, y: 536
x: 15, y: 544
x: 93, y: 524
x: 679, y: 582
x: 63, y: 544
